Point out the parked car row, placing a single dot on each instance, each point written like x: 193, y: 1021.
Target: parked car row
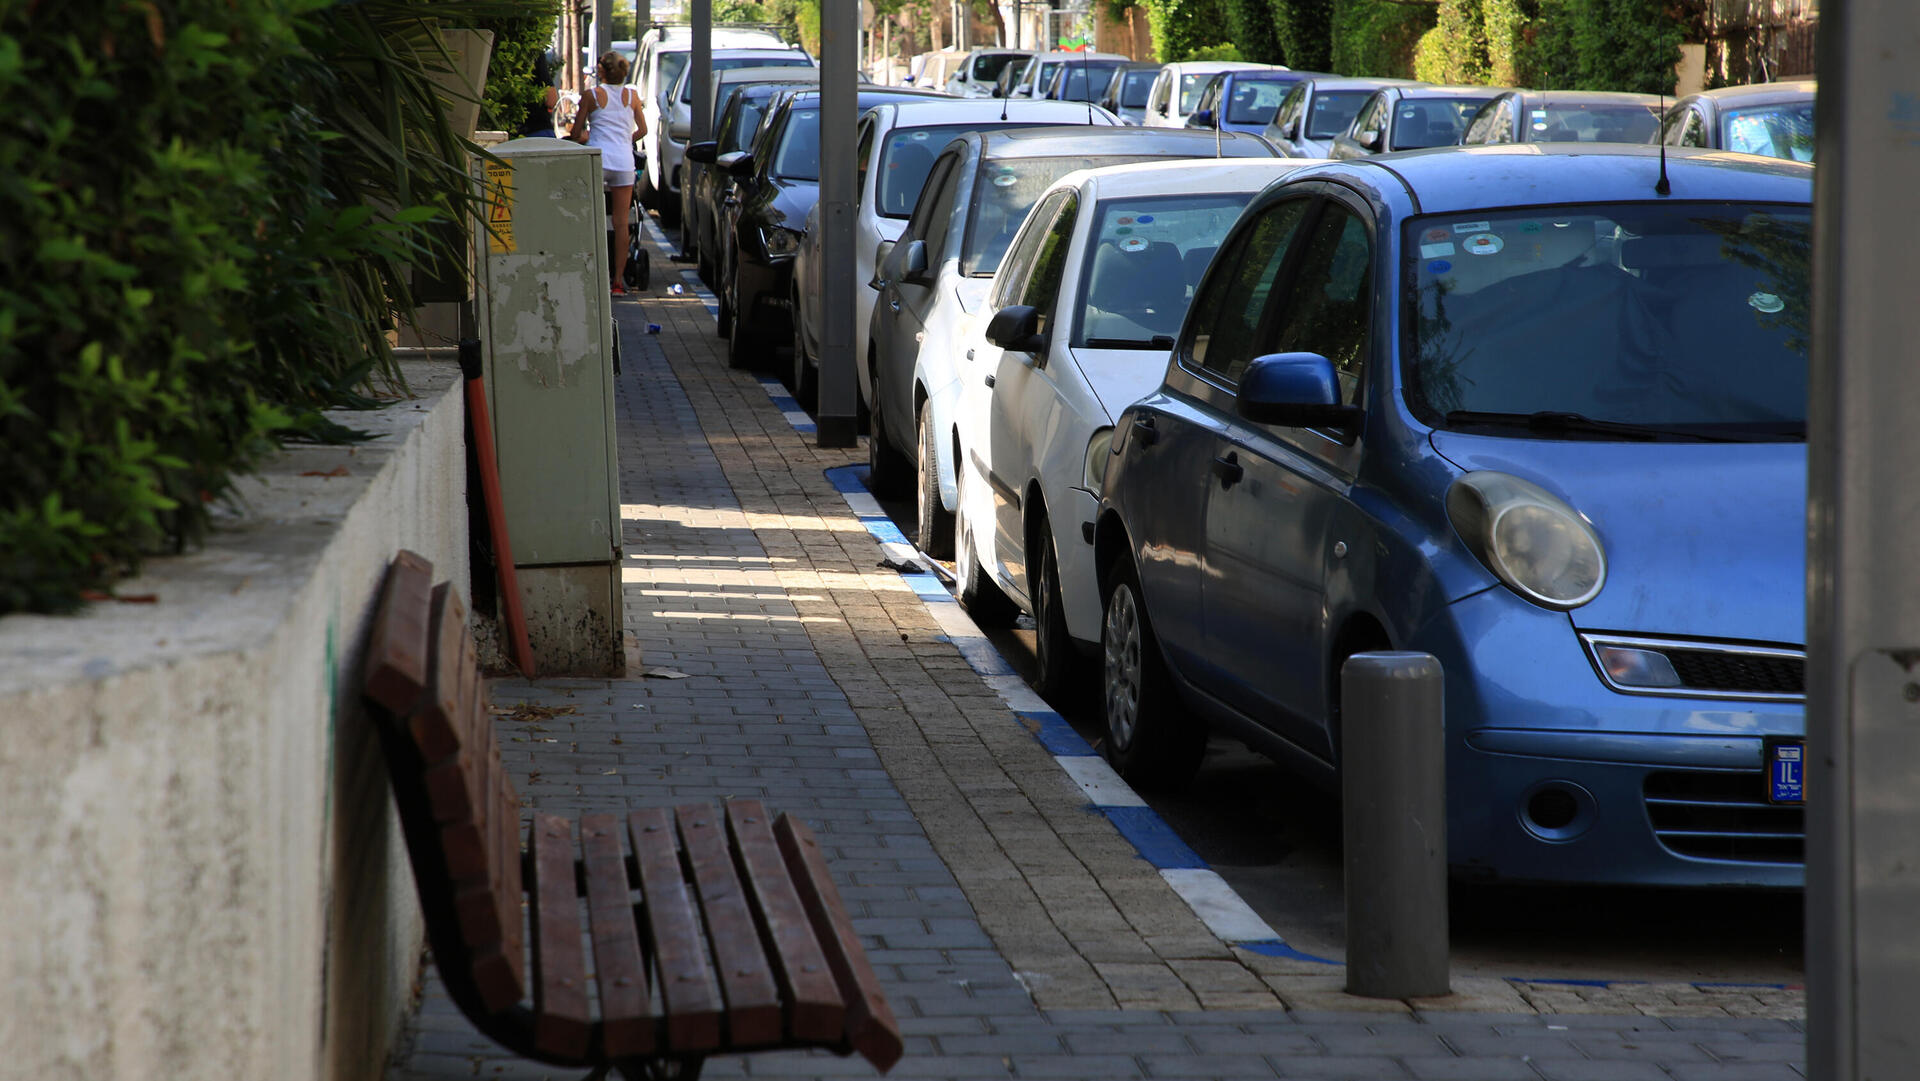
x: 1217, y: 419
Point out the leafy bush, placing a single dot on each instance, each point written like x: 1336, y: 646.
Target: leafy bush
x: 1304, y: 29
x: 1377, y: 37
x: 512, y: 91
x: 1601, y: 45
x: 1184, y: 29
x: 1251, y: 27
x: 219, y: 203
x: 1455, y: 50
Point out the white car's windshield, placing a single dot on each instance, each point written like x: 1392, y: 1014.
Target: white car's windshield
x: 1689, y: 319
x: 987, y: 66
x: 1423, y: 122
x: 906, y: 157
x: 1145, y: 259
x: 1191, y: 87
x: 1553, y: 122
x: 1003, y: 193
x: 1777, y: 131
x: 1333, y: 112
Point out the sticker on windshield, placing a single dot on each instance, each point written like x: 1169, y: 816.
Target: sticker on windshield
x: 920, y: 136
x: 1123, y: 221
x: 1134, y: 243
x: 1145, y: 219
x: 1435, y: 236
x: 1483, y: 244
x: 1529, y: 226
x: 1439, y: 266
x: 1472, y: 226
x: 1435, y: 251
x: 1766, y: 302
x: 1005, y: 180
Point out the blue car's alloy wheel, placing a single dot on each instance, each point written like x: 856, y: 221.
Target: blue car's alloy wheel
x: 1146, y: 742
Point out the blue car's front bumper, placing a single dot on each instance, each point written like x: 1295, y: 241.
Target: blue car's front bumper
x: 1553, y: 776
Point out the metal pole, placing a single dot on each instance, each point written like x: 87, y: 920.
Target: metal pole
x: 839, y: 112
x: 1393, y: 769
x: 1863, y: 533
x: 642, y: 18
x: 602, y: 28
x: 701, y: 77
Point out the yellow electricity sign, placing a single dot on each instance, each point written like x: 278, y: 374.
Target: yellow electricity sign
x: 500, y: 208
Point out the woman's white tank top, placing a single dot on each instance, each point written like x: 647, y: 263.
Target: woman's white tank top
x: 611, y: 129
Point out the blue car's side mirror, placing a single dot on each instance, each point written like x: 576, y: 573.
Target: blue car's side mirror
x: 1202, y: 118
x: 1294, y: 390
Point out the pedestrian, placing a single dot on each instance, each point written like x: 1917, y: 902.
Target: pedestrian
x: 610, y: 119
x: 546, y: 72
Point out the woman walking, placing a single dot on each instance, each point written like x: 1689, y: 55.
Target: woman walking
x: 610, y: 119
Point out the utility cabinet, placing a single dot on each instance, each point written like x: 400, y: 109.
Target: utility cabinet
x: 546, y: 325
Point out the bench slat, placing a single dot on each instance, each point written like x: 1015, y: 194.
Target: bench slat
x: 872, y: 1029
x: 626, y: 1007
x: 500, y: 970
x: 561, y: 1021
x: 396, y: 667
x: 746, y: 974
x: 690, y: 995
x: 436, y: 724
x: 815, y: 1008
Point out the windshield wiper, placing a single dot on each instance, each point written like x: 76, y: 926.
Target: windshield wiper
x: 1548, y: 420
x: 1158, y: 341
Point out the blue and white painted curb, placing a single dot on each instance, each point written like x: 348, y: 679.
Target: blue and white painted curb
x: 1224, y: 912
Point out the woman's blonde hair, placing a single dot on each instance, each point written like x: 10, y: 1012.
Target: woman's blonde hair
x: 612, y: 69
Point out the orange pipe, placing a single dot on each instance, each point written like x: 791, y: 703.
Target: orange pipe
x: 511, y: 614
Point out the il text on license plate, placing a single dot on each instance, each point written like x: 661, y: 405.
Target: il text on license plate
x: 1786, y: 771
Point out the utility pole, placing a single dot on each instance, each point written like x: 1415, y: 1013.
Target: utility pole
x: 838, y: 397
x: 1863, y: 534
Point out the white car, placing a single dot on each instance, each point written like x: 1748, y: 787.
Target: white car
x: 664, y: 53
x: 1039, y: 74
x: 933, y: 283
x: 901, y: 139
x: 976, y: 77
x: 1079, y: 323
x: 1177, y: 91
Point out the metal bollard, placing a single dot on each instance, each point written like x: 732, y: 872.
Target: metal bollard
x: 1394, y: 781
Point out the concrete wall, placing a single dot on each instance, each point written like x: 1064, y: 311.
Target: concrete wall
x: 201, y: 875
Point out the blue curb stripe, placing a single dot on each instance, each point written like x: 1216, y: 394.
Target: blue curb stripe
x: 980, y: 654
x: 928, y: 587
x: 1276, y: 948
x: 1151, y: 836
x: 848, y: 478
x: 886, y: 532
x: 1575, y: 983
x: 1056, y: 735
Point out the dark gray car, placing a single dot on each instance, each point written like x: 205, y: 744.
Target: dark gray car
x: 1316, y: 111
x: 1411, y: 118
x: 935, y: 277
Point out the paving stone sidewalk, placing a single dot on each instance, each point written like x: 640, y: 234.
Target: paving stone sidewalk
x: 1018, y: 934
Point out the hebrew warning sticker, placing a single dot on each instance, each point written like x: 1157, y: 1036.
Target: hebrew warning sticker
x: 500, y: 208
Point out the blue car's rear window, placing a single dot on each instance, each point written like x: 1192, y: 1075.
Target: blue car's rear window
x: 1691, y: 319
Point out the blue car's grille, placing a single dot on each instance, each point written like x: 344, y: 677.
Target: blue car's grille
x: 1717, y: 670
x: 1724, y: 816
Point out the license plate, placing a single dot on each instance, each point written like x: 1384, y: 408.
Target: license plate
x: 1786, y: 772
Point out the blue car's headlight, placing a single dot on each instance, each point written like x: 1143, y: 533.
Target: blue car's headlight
x: 1540, y: 547
x: 780, y: 241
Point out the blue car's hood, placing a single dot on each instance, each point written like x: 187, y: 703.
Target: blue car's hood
x: 1702, y: 539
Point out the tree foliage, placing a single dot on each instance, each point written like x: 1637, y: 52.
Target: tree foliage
x: 1601, y: 45
x: 1377, y: 37
x: 1252, y: 28
x: 212, y: 209
x: 1187, y: 29
x: 1455, y: 50
x: 1304, y: 29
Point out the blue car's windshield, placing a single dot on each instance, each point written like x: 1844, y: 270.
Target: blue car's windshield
x: 1254, y: 101
x: 1135, y: 86
x: 1146, y: 257
x: 1333, y: 112
x: 1085, y: 82
x: 1557, y: 122
x: 1687, y: 318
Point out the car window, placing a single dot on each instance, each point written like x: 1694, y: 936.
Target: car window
x: 1328, y: 306
x: 907, y: 154
x: 1422, y: 122
x: 1144, y: 259
x: 1777, y: 131
x: 862, y: 156
x: 1041, y: 289
x: 1005, y: 191
x: 728, y: 63
x: 1484, y: 127
x: 671, y: 65
x: 1083, y: 82
x: 1227, y: 314
x: 1289, y: 111
x: 1694, y: 130
x: 1601, y: 122
x: 1134, y: 88
x: 1162, y: 81
x: 940, y: 179
x: 1333, y: 111
x: 1373, y: 117
x: 1014, y: 268
x: 939, y: 222
x: 1254, y: 101
x: 1715, y: 295
x: 1191, y: 87
x: 987, y: 66
x: 799, y: 155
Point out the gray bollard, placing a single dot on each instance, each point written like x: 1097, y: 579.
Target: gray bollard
x: 1394, y: 781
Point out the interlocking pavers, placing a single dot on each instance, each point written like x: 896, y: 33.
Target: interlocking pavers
x: 1018, y: 934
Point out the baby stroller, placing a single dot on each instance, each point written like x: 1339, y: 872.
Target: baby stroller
x: 639, y: 275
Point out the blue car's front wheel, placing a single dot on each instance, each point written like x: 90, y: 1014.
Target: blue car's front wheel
x: 1147, y: 741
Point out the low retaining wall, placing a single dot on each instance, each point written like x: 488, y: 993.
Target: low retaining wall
x: 201, y: 875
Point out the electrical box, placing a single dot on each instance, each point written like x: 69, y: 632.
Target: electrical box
x: 546, y: 325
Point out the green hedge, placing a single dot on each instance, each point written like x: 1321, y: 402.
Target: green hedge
x: 1377, y: 37
x: 1253, y: 30
x: 1601, y: 45
x: 1304, y: 29
x: 208, y: 210
x: 1189, y: 30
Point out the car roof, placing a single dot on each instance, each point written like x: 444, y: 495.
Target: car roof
x: 933, y: 113
x: 1143, y: 65
x: 1587, y: 97
x: 1197, y: 175
x: 1086, y: 141
x: 1758, y: 93
x: 1205, y: 67
x: 1069, y: 54
x: 1456, y: 179
x: 869, y: 95
x: 1358, y: 82
x: 1429, y: 90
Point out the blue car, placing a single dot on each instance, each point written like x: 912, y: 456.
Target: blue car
x: 1538, y: 411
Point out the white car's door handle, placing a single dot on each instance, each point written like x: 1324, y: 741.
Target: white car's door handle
x: 989, y: 378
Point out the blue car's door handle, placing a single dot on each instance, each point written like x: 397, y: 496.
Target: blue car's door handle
x: 1144, y: 432
x: 1228, y: 469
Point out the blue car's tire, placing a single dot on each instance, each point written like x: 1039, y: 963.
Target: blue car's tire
x: 1148, y: 740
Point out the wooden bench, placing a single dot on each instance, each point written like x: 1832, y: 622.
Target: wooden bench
x: 641, y: 942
